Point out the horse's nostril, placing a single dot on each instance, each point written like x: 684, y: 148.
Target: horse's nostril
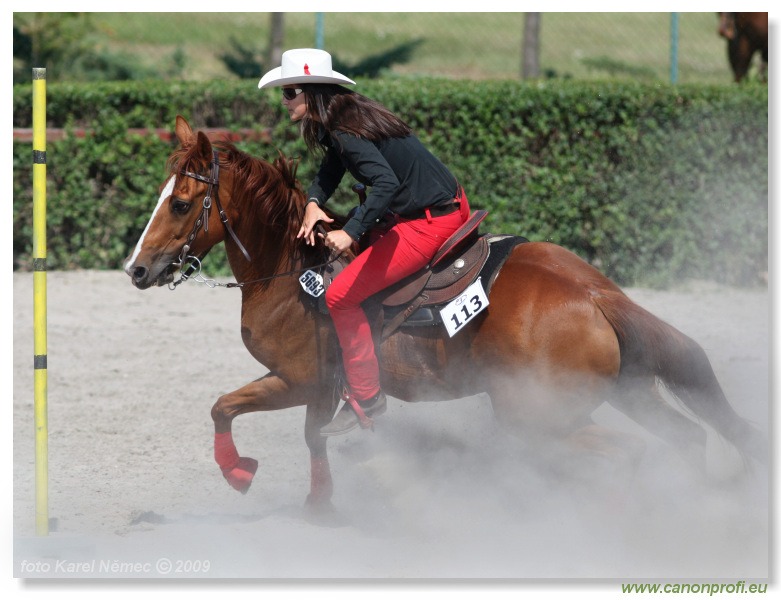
x: 139, y: 273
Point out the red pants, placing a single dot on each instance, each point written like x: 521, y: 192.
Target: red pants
x: 406, y: 248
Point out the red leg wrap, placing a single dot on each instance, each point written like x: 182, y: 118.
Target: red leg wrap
x: 225, y: 450
x: 238, y: 471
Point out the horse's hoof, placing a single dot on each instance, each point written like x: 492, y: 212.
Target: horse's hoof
x: 240, y: 476
x: 321, y: 512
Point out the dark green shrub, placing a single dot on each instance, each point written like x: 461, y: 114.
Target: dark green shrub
x: 651, y: 183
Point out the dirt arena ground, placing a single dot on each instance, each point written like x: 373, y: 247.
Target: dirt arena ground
x: 437, y: 492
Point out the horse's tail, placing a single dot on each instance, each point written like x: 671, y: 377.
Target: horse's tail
x: 651, y: 347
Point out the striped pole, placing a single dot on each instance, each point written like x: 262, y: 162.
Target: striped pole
x: 39, y: 304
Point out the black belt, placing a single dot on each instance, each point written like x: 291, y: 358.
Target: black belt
x: 440, y: 210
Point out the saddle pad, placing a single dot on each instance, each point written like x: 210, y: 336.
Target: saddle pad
x: 501, y: 246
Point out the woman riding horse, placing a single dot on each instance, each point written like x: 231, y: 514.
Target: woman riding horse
x: 559, y: 339
x: 361, y: 136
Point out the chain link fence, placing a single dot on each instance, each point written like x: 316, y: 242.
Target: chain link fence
x: 648, y: 47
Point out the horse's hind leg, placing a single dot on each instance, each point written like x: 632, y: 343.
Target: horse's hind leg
x: 554, y: 421
x: 640, y: 400
x: 267, y: 393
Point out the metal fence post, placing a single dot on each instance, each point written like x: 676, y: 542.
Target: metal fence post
x: 674, y: 48
x: 319, y: 31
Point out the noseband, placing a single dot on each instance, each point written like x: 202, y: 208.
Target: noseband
x: 213, y: 179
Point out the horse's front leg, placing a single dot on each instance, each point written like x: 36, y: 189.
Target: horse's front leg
x: 267, y: 393
x: 319, y: 412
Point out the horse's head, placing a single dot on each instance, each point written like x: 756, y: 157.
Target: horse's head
x: 183, y: 223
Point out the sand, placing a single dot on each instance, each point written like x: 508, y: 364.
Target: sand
x: 436, y: 492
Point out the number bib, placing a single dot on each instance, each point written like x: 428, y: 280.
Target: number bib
x: 312, y: 283
x: 463, y: 309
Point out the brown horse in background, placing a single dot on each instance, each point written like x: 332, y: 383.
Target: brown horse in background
x: 746, y: 34
x: 557, y: 340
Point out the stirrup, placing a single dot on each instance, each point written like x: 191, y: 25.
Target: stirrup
x: 353, y: 415
x: 365, y: 421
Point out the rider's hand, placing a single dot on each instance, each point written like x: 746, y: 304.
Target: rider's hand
x: 337, y: 240
x: 312, y: 215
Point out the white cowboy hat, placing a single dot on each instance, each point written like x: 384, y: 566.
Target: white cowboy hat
x: 303, y: 65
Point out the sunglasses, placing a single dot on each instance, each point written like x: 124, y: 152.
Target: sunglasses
x: 290, y: 93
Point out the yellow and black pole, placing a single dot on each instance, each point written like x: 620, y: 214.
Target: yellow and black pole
x: 39, y: 305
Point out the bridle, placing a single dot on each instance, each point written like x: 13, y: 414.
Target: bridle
x: 193, y: 262
x: 213, y: 179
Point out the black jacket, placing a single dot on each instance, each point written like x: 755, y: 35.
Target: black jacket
x: 403, y: 175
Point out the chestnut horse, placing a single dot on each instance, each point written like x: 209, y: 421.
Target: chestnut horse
x: 557, y: 340
x: 746, y: 34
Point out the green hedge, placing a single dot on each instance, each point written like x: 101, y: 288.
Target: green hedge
x: 651, y: 183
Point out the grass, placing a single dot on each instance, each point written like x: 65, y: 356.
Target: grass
x: 458, y: 45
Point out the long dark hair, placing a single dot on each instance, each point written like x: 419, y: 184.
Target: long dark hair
x: 340, y: 109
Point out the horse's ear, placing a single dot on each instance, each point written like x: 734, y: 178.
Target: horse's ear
x: 183, y: 130
x: 204, y: 146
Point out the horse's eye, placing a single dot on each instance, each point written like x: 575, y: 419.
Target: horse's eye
x: 180, y: 207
